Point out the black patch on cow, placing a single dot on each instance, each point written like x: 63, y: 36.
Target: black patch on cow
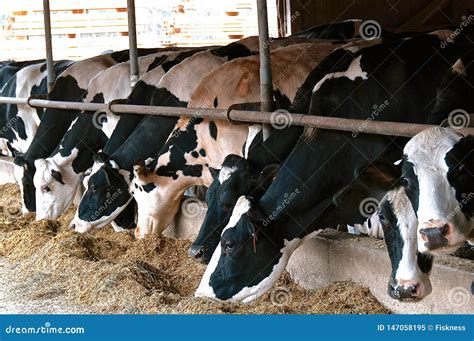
x: 202, y: 152
x: 149, y: 187
x: 184, y: 143
x: 167, y: 65
x: 410, y: 183
x: 213, y: 130
x: 282, y: 101
x: 57, y: 176
x: 194, y: 154
x: 460, y: 162
x: 98, y: 98
x: 43, y: 67
x: 164, y: 97
x: 156, y: 62
x: 232, y: 51
x: 216, y: 102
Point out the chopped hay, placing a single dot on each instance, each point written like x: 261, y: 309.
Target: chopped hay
x: 107, y: 272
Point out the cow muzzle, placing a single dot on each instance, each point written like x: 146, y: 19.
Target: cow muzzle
x: 408, y: 290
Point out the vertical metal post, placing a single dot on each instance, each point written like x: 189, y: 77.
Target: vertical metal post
x: 49, y: 45
x: 266, y: 86
x: 132, y: 41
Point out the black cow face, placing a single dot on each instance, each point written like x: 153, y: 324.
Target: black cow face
x: 107, y: 194
x: 233, y: 180
x: 245, y: 261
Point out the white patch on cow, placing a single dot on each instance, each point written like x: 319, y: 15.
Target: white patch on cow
x: 354, y: 71
x: 149, y: 161
x: 182, y: 79
x: 225, y: 173
x: 7, y: 172
x: 375, y: 230
x: 52, y: 197
x: 408, y: 270
x: 437, y: 199
x: 254, y: 129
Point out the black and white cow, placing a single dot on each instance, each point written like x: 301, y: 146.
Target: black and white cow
x: 57, y: 178
x: 173, y: 89
x: 70, y: 85
x: 9, y: 68
x: 198, y: 144
x: 20, y: 122
x: 405, y: 75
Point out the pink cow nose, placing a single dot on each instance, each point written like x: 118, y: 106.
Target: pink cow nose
x: 436, y: 233
x: 408, y: 289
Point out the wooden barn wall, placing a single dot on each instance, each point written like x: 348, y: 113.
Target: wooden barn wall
x: 417, y: 15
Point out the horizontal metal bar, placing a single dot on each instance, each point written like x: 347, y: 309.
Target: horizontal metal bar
x: 331, y: 123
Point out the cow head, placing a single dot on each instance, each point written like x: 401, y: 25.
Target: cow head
x: 55, y: 189
x: 106, y: 196
x: 409, y: 279
x: 233, y: 180
x: 254, y: 250
x: 438, y: 175
x: 24, y: 173
x: 157, y: 199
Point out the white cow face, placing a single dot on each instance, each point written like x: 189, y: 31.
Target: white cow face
x: 55, y: 189
x: 438, y: 175
x: 157, y: 202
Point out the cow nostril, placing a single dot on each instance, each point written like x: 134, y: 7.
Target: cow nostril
x: 196, y: 252
x: 445, y: 229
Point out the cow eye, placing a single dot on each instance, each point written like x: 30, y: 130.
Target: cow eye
x: 93, y: 188
x: 46, y: 189
x: 228, y: 246
x: 405, y: 182
x: 382, y: 217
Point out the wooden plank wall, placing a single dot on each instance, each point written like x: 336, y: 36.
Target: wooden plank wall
x: 391, y: 14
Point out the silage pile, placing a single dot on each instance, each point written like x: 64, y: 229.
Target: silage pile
x: 107, y: 272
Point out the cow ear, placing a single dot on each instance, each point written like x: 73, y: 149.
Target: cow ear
x: 214, y: 172
x: 379, y: 174
x: 57, y: 176
x: 256, y: 216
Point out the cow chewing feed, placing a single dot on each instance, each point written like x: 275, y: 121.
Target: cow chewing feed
x: 173, y: 89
